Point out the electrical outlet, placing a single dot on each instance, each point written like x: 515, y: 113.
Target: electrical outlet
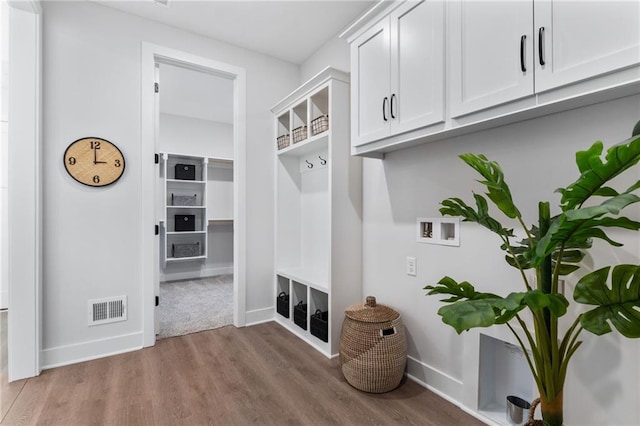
x: 411, y: 266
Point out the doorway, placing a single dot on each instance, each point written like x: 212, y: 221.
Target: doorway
x: 195, y: 136
x: 194, y: 116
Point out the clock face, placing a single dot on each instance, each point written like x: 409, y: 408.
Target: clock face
x: 94, y: 161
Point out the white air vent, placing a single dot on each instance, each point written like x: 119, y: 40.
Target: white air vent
x: 102, y: 311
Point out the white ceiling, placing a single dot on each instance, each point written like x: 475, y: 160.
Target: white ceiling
x: 291, y: 30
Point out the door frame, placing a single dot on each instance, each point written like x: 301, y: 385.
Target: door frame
x: 24, y: 206
x: 153, y: 54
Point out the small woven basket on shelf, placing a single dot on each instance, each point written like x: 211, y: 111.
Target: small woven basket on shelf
x: 320, y: 124
x: 283, y: 141
x: 373, y: 347
x: 299, y: 134
x: 531, y: 421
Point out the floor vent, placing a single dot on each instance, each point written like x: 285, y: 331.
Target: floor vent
x: 102, y: 311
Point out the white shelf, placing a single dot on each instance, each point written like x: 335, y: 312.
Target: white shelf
x: 185, y: 181
x: 314, y: 278
x: 181, y: 259
x: 185, y: 232
x: 308, y: 145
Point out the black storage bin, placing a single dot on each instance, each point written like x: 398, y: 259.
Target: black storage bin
x: 300, y: 315
x: 186, y: 171
x: 185, y: 222
x: 282, y: 304
x: 320, y: 325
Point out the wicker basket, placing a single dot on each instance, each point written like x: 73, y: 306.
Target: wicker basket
x: 373, y: 347
x: 319, y: 125
x: 283, y: 141
x: 299, y: 134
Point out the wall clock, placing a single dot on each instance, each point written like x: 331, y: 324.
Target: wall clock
x: 94, y: 161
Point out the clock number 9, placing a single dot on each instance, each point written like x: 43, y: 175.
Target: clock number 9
x: 72, y: 161
x: 118, y: 163
x: 96, y: 179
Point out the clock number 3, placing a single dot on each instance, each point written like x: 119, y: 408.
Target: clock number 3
x: 118, y: 164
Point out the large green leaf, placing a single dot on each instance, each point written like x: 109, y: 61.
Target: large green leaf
x: 468, y: 308
x: 618, y: 305
x: 499, y: 191
x: 595, y: 173
x: 578, y: 226
x: 457, y: 207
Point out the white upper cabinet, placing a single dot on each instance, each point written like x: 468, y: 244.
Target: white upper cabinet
x: 502, y: 51
x: 506, y: 61
x: 490, y: 51
x: 399, y: 66
x: 584, y: 39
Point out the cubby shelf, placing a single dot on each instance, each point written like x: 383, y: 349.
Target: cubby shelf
x: 318, y: 209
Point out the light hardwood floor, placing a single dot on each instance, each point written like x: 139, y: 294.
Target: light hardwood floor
x: 259, y: 375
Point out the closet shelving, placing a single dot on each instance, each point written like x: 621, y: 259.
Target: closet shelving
x: 318, y: 208
x: 204, y: 199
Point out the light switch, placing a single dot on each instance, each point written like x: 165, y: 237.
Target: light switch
x: 411, y: 266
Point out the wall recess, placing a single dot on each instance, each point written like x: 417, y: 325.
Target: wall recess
x: 438, y: 230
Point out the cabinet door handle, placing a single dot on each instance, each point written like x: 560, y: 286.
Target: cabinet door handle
x: 541, y: 45
x: 393, y: 96
x: 522, y: 65
x: 384, y: 108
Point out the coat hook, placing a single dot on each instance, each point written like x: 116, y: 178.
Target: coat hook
x: 309, y: 165
x: 322, y: 160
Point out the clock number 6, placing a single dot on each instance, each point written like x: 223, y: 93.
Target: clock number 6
x: 96, y: 179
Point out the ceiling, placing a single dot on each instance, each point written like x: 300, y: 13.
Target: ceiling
x: 291, y: 30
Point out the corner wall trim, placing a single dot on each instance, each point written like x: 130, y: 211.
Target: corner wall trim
x: 259, y: 316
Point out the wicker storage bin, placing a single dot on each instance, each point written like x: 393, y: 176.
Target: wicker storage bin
x: 300, y: 315
x: 320, y: 325
x: 299, y: 134
x: 185, y: 250
x: 373, y: 347
x: 283, y: 141
x: 320, y: 124
x: 183, y: 200
x: 282, y: 304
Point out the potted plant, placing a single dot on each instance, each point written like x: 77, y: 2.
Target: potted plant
x: 554, y: 247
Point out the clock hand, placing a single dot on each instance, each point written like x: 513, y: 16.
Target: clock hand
x: 95, y: 155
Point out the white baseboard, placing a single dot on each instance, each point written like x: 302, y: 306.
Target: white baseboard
x: 191, y: 275
x: 71, y: 354
x: 441, y: 384
x: 259, y: 316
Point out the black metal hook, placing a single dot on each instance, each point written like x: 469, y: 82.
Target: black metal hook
x: 309, y: 165
x: 322, y: 160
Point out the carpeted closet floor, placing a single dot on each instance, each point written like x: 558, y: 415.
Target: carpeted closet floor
x: 189, y: 306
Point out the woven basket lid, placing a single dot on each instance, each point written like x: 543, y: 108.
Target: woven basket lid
x: 370, y: 311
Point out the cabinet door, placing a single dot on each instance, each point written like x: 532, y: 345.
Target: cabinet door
x: 584, y: 39
x: 370, y: 94
x: 417, y: 65
x: 490, y: 49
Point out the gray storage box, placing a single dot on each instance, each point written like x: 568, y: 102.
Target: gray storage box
x: 185, y: 250
x: 184, y: 200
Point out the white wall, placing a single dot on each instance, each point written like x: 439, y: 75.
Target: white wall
x: 193, y: 136
x: 537, y: 157
x: 92, y: 87
x: 334, y: 53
